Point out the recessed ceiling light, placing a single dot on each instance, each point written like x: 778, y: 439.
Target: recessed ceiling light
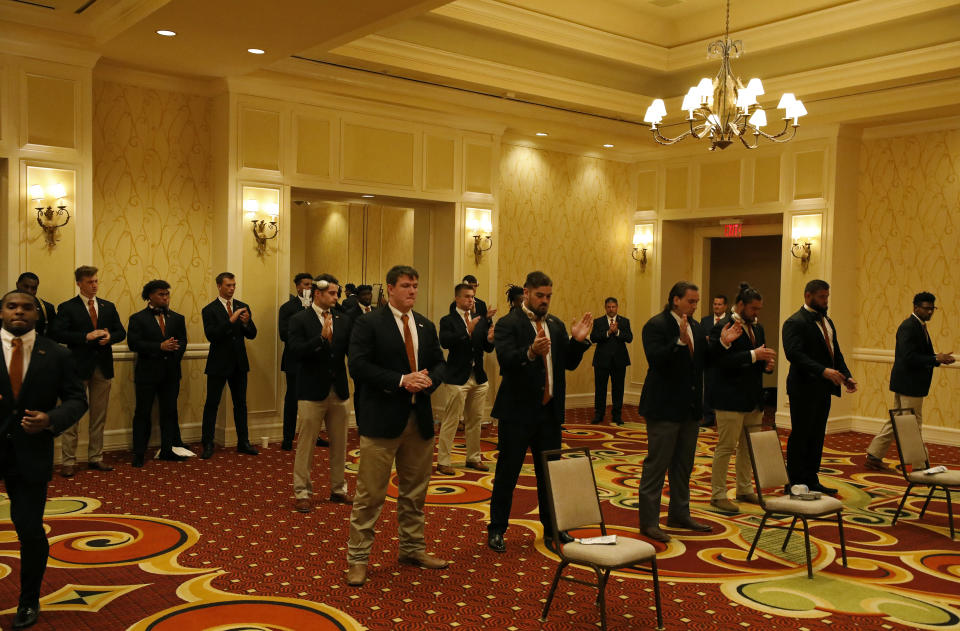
x: 366, y: 196
x: 608, y: 146
x: 540, y: 133
x: 166, y: 33
x: 255, y: 51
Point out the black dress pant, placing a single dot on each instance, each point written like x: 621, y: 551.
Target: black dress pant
x: 290, y: 407
x: 515, y: 436
x: 616, y: 375
x: 671, y: 450
x: 238, y: 393
x: 166, y: 393
x: 809, y: 410
x: 27, y: 499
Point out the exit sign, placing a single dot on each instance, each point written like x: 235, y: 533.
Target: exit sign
x: 734, y: 230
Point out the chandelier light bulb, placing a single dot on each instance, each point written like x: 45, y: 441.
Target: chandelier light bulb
x: 786, y: 101
x: 705, y: 88
x: 691, y: 100
x: 759, y: 119
x: 755, y: 86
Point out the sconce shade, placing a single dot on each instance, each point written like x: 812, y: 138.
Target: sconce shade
x: 36, y: 192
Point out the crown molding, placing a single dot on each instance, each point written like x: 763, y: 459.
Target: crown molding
x: 116, y: 73
x: 121, y: 16
x: 41, y: 43
x: 912, y: 128
x: 586, y: 150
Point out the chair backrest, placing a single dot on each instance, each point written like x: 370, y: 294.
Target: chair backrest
x: 906, y: 430
x: 572, y: 488
x: 769, y: 470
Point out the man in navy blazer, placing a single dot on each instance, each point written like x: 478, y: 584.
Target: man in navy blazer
x: 817, y: 370
x: 611, y: 334
x: 34, y: 374
x: 158, y: 336
x: 913, y: 362
x: 318, y: 337
x: 288, y: 365
x: 227, y: 324
x: 534, y: 352
x: 89, y: 326
x: 396, y: 358
x: 719, y: 312
x: 46, y: 313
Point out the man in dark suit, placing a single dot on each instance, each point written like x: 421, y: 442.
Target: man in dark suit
x: 89, y: 326
x: 913, y: 362
x: 670, y: 402
x: 159, y: 338
x: 479, y: 306
x: 396, y: 357
x: 817, y: 371
x: 318, y: 344
x: 35, y: 373
x: 534, y: 352
x: 349, y: 298
x: 611, y: 334
x: 738, y: 394
x: 362, y: 305
x: 719, y: 307
x: 297, y: 303
x: 466, y: 338
x: 29, y: 282
x: 226, y: 324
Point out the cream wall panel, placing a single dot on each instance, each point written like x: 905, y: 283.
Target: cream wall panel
x: 355, y: 247
x: 766, y: 179
x: 259, y: 139
x: 50, y: 114
x: 312, y: 138
x: 809, y: 175
x: 376, y: 155
x: 54, y: 265
x: 675, y: 187
x: 477, y: 170
x: 720, y: 184
x: 439, y: 163
x: 327, y: 233
x: 396, y: 238
x: 647, y: 190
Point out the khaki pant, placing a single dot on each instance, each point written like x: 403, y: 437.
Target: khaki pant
x: 466, y: 401
x: 313, y: 414
x: 98, y: 394
x: 414, y: 456
x: 730, y: 426
x: 881, y: 442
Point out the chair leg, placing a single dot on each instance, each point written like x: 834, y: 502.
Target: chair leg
x: 756, y: 537
x: 925, y: 504
x: 806, y: 541
x: 786, y: 539
x: 903, y: 501
x: 843, y: 543
x: 553, y: 589
x: 949, y: 511
x: 606, y: 577
x: 656, y: 593
x: 601, y: 600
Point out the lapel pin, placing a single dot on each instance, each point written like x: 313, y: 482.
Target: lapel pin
x: 41, y: 351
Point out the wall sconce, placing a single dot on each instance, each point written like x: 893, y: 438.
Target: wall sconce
x: 263, y: 230
x: 480, y: 227
x: 805, y: 230
x: 49, y: 219
x: 642, y: 241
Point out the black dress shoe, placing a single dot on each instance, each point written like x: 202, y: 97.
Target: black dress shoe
x: 172, y: 457
x: 654, y: 532
x: 322, y: 442
x: 207, y: 452
x: 495, y: 542
x: 551, y: 543
x: 137, y: 461
x: 286, y: 445
x: 26, y: 616
x: 617, y: 421
x: 596, y: 420
x: 689, y: 524
x: 99, y: 465
x: 823, y: 489
x: 247, y: 448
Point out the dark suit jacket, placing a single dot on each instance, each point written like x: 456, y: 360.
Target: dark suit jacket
x: 71, y: 327
x: 51, y: 376
x: 290, y: 308
x: 46, y: 315
x: 737, y: 381
x: 464, y: 349
x: 521, y: 390
x: 913, y: 360
x: 706, y: 322
x: 806, y: 350
x: 320, y: 364
x: 155, y: 365
x: 228, y: 351
x: 673, y: 387
x: 378, y: 359
x: 479, y: 307
x: 611, y: 350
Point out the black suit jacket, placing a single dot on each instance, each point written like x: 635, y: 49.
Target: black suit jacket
x: 378, y: 359
x: 320, y: 364
x: 466, y: 351
x: 46, y: 316
x: 479, y: 307
x: 737, y: 383
x: 673, y: 387
x: 290, y: 308
x: 51, y: 376
x: 228, y: 350
x: 153, y: 364
x: 611, y: 350
x: 521, y: 390
x: 913, y: 360
x: 706, y: 322
x: 71, y: 327
x: 806, y: 350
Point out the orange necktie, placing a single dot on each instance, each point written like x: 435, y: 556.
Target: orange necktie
x: 466, y: 319
x: 753, y: 338
x: 826, y: 339
x: 230, y: 308
x: 546, y: 370
x: 16, y: 366
x: 408, y: 342
x: 163, y: 324
x: 93, y: 312
x: 327, y: 332
x: 689, y: 340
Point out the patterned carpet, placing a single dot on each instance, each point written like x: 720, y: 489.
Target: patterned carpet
x: 216, y: 545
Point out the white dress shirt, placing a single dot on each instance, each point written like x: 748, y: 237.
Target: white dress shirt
x: 826, y: 323
x: 320, y: 313
x: 86, y: 303
x: 397, y: 314
x: 28, y: 340
x: 224, y: 302
x: 679, y: 320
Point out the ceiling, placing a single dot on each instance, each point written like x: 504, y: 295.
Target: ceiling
x: 603, y: 58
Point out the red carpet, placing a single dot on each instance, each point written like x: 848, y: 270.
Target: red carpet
x: 216, y: 545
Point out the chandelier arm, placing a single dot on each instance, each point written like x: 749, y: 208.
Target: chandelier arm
x: 663, y: 140
x: 779, y: 137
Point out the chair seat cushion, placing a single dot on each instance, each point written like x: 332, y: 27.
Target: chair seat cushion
x: 786, y: 504
x: 947, y: 478
x: 624, y: 552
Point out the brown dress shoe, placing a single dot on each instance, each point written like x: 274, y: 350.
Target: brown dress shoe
x: 445, y: 469
x: 341, y: 498
x: 357, y: 574
x: 68, y: 470
x: 303, y: 505
x: 725, y: 506
x: 654, y: 532
x: 423, y: 560
x: 99, y: 465
x: 479, y: 466
x: 877, y: 464
x: 749, y: 498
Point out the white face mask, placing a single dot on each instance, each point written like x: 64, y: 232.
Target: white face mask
x: 305, y: 298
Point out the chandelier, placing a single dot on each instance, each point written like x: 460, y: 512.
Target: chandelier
x: 723, y: 109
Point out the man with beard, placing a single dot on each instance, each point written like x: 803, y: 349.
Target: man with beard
x: 817, y: 370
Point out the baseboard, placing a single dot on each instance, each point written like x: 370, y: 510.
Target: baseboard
x: 585, y: 399
x: 871, y: 426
